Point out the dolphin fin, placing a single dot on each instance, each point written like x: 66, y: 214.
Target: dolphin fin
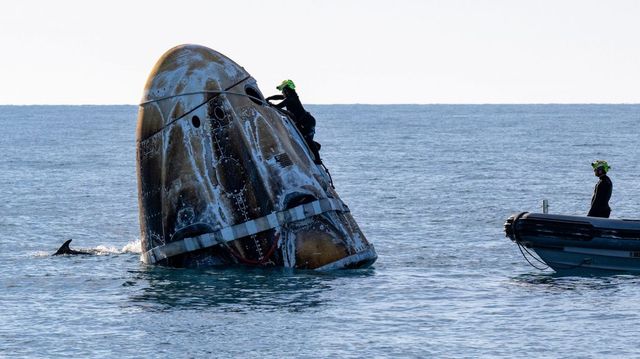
x: 65, y: 249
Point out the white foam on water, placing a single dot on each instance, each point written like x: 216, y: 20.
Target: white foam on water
x: 132, y: 247
x: 103, y: 250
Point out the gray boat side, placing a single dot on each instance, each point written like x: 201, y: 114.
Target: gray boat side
x: 579, y: 245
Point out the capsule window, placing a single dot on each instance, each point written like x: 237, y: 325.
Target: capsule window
x: 297, y: 199
x: 218, y: 113
x: 254, y: 95
x: 195, y: 120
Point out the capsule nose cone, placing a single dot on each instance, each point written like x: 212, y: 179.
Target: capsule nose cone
x: 188, y: 68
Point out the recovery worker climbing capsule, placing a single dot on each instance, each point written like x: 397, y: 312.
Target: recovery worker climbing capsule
x: 224, y: 178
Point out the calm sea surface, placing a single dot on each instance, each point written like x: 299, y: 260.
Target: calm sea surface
x: 430, y: 186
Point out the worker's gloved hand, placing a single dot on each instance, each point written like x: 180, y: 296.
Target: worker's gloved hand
x: 275, y: 97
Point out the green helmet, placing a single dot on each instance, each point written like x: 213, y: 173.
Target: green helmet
x: 601, y: 164
x: 286, y: 83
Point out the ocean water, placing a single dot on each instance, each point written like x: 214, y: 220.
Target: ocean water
x: 430, y: 186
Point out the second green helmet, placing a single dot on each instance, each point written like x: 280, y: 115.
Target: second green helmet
x: 286, y: 83
x: 601, y: 164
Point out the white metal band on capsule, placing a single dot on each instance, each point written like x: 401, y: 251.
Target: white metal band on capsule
x: 244, y: 229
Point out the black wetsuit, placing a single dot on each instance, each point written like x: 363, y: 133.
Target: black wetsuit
x: 600, y: 200
x: 303, y: 120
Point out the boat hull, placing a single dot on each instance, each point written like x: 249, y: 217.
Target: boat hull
x: 576, y: 245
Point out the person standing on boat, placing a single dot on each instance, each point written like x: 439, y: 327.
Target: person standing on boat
x: 302, y: 119
x: 602, y: 192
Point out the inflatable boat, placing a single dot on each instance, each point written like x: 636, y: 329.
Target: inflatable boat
x: 575, y: 245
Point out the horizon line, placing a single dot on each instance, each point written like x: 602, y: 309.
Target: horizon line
x: 360, y: 104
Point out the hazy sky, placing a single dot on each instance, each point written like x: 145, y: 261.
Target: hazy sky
x: 337, y: 51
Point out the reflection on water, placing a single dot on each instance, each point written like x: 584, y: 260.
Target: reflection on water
x: 554, y: 282
x: 236, y: 289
